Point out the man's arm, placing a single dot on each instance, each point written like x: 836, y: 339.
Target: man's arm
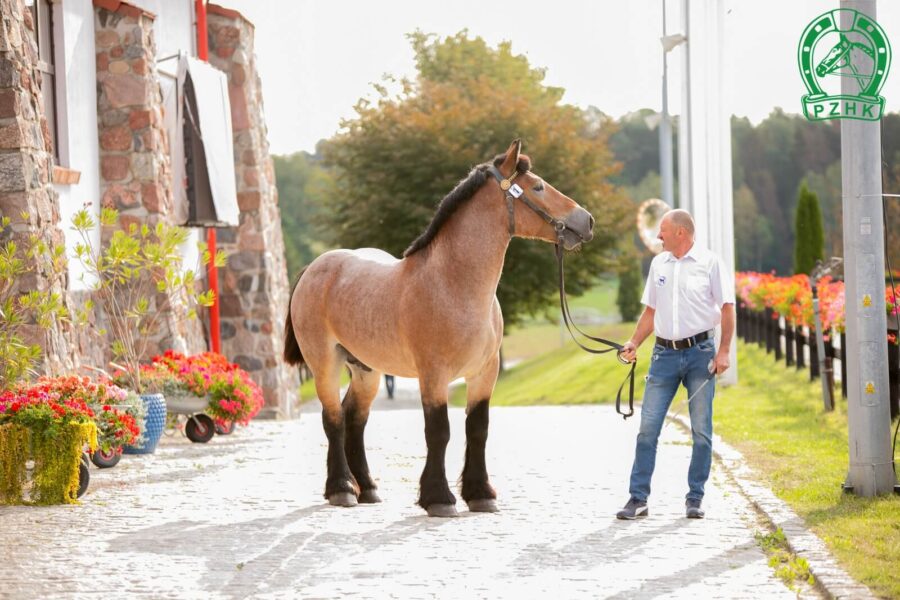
x: 641, y: 331
x: 722, y: 356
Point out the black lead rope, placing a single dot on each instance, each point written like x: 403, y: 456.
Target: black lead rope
x: 570, y: 324
x: 512, y: 192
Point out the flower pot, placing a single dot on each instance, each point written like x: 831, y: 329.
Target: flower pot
x: 37, y: 468
x: 153, y: 426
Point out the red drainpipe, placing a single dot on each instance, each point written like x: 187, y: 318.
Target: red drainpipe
x: 211, y: 270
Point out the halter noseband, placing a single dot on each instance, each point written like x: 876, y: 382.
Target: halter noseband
x: 513, y: 191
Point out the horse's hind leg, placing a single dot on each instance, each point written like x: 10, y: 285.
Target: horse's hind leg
x: 362, y: 390
x: 476, y: 488
x: 434, y: 492
x: 341, y: 488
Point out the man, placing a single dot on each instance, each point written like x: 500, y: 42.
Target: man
x: 688, y: 293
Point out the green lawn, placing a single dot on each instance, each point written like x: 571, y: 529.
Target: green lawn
x: 564, y: 375
x: 773, y: 416
x: 536, y: 336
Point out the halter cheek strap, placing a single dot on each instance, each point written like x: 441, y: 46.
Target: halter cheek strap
x: 514, y: 192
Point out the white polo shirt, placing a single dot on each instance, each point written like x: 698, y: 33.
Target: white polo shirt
x: 687, y: 293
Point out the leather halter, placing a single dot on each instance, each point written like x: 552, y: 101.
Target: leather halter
x: 513, y: 192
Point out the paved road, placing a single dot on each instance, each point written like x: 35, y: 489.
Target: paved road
x: 243, y: 516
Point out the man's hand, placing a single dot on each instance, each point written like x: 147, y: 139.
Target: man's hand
x: 722, y: 361
x: 629, y: 352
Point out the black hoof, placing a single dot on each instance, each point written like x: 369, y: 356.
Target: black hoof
x: 484, y: 505
x: 442, y: 510
x: 342, y: 499
x: 369, y: 497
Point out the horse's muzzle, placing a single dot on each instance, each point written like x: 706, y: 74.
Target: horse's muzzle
x: 579, y: 228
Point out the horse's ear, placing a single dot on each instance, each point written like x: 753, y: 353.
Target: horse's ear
x: 512, y: 158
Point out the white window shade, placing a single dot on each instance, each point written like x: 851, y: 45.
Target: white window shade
x: 208, y: 146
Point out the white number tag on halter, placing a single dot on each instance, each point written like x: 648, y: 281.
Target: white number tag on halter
x: 515, y: 191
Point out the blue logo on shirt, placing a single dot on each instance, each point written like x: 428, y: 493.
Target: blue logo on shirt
x: 661, y: 281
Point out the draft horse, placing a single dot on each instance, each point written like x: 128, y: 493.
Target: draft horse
x: 432, y: 315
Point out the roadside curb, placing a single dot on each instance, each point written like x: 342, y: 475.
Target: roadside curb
x: 830, y: 578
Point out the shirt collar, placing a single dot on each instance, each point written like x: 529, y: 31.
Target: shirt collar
x: 695, y: 253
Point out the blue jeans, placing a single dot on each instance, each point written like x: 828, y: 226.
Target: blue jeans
x: 668, y: 370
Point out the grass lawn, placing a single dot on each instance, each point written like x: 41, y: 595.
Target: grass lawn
x: 536, y: 336
x: 773, y: 416
x: 564, y: 375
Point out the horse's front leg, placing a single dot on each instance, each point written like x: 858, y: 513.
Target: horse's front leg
x: 476, y: 487
x: 434, y: 492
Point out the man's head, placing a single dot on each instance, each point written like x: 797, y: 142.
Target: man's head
x: 676, y: 232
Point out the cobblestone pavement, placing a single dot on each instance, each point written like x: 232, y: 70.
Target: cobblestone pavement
x: 243, y: 516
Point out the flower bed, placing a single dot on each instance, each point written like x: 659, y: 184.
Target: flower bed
x: 791, y: 298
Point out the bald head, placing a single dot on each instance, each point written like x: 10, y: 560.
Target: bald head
x: 676, y: 231
x: 681, y: 218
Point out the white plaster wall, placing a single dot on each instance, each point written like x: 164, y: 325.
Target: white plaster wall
x: 77, y: 107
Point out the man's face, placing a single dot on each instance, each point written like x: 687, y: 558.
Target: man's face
x: 669, y: 234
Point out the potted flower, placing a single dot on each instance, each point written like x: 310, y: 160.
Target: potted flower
x: 116, y: 411
x: 139, y: 282
x: 39, y: 428
x: 233, y: 397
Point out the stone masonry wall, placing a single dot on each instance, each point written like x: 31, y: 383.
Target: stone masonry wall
x: 135, y: 167
x: 26, y: 165
x: 255, y: 289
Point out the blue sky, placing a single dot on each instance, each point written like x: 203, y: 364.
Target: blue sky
x: 316, y: 58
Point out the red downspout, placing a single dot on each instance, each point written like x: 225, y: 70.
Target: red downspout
x: 211, y: 270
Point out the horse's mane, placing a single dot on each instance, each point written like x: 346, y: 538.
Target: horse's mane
x: 463, y: 191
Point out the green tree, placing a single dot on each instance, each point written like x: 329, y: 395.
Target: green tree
x: 809, y: 232
x: 302, y: 182
x: 827, y: 187
x: 628, y: 297
x: 404, y: 151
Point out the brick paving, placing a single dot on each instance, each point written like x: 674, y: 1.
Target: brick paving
x: 243, y: 516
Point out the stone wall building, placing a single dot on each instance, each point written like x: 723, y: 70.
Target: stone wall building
x: 88, y: 106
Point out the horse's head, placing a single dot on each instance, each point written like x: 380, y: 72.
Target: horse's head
x: 548, y: 214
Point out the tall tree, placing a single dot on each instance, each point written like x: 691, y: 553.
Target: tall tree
x: 628, y: 296
x: 810, y: 236
x: 403, y: 152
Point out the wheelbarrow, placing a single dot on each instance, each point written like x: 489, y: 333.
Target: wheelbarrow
x: 199, y: 427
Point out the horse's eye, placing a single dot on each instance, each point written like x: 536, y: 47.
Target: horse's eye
x: 539, y: 186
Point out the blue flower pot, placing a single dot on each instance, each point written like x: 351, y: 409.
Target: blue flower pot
x: 154, y: 423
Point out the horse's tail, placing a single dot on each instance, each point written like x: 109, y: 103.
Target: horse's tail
x: 292, y: 354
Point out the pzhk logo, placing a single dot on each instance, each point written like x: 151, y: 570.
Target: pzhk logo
x: 856, y: 48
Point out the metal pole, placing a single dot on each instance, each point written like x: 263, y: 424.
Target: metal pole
x: 665, y: 131
x: 827, y: 398
x: 871, y: 461
x: 685, y: 193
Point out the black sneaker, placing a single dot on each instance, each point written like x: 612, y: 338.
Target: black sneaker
x: 692, y: 509
x: 633, y: 510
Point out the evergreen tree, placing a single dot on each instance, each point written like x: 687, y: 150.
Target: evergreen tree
x: 809, y: 244
x: 628, y: 297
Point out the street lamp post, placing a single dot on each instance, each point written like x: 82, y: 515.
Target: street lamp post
x: 669, y: 42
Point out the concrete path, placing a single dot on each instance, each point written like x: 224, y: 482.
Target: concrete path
x: 243, y: 516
